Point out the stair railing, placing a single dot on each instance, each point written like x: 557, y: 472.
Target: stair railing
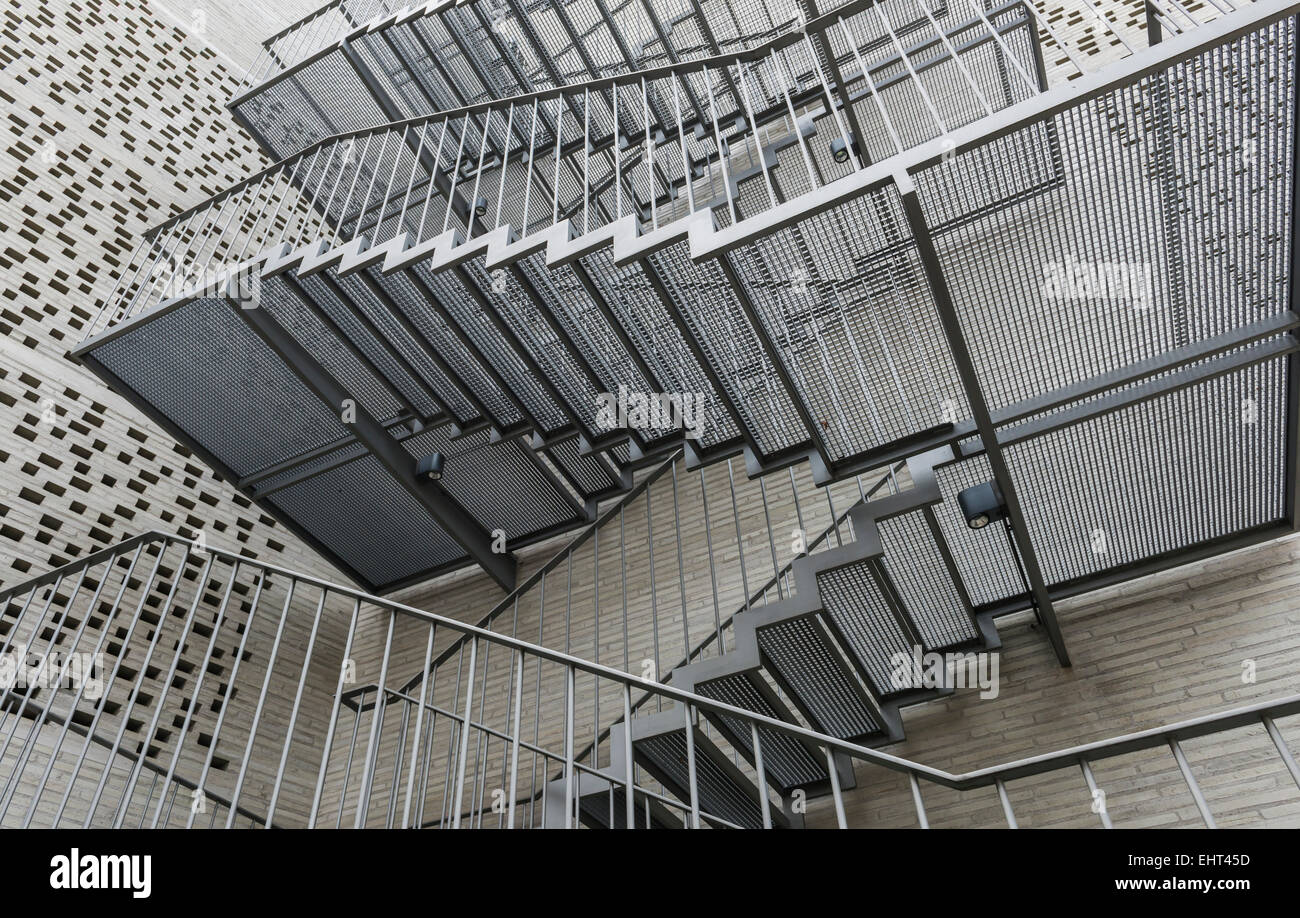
x: 298, y: 764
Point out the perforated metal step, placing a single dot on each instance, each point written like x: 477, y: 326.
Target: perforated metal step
x: 726, y: 796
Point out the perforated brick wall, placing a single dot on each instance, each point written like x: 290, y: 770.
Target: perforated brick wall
x: 115, y: 118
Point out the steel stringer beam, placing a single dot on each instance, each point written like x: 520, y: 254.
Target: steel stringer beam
x: 371, y: 434
x: 965, y: 367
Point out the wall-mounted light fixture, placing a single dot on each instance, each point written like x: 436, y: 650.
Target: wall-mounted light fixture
x: 982, y: 504
x: 430, y: 467
x: 840, y: 148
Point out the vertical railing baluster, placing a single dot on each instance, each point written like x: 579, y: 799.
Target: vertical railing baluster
x: 198, y: 686
x: 102, y: 704
x: 261, y: 705
x: 372, y: 744
x: 518, y: 703
x: 692, y: 777
x: 569, y: 783
x: 1006, y: 804
x: 124, y: 721
x: 6, y: 798
x: 922, y: 819
x: 230, y: 690
x: 464, y: 734
x: 334, y: 716
x: 24, y: 753
x: 352, y: 748
x: 419, y: 726
x: 629, y: 763
x: 297, y: 706
x: 399, y: 755
x: 836, y: 793
x: 1206, y: 816
x: 765, y: 805
x: 55, y: 626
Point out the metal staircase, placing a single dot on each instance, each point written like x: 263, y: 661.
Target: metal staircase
x: 268, y: 744
x: 826, y: 655
x: 830, y: 224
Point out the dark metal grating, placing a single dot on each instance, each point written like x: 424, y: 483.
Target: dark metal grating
x: 853, y: 601
x: 786, y: 762
x: 475, y: 472
x: 805, y: 661
x: 197, y: 364
x: 1152, y: 478
x: 588, y: 473
x: 718, y: 794
x: 370, y: 522
x: 915, y: 565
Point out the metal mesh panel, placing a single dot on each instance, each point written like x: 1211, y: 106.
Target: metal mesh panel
x: 469, y: 374
x: 843, y: 300
x: 1171, y: 224
x: 199, y: 364
x: 525, y: 317
x: 1203, y: 462
x: 786, y: 762
x: 982, y: 556
x: 643, y: 317
x: 915, y: 565
x: 501, y: 486
x: 702, y: 296
x: 718, y: 794
x: 587, y: 472
x: 324, y: 98
x: 809, y: 666
x: 364, y: 299
x: 467, y: 313
x: 855, y: 604
x: 294, y: 315
x: 567, y: 299
x: 326, y: 299
x: 369, y: 521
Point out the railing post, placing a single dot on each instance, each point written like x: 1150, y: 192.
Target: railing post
x: 464, y: 734
x: 690, y: 766
x: 297, y: 704
x: 334, y: 717
x: 1006, y: 805
x: 24, y: 756
x: 917, y: 801
x: 1097, y: 796
x: 514, y: 738
x: 569, y: 788
x: 1192, y: 786
x: 419, y: 729
x: 261, y: 703
x: 372, y: 744
x: 765, y: 805
x: 629, y: 765
x: 836, y: 793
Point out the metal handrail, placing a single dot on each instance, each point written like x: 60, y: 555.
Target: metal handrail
x: 1171, y: 735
